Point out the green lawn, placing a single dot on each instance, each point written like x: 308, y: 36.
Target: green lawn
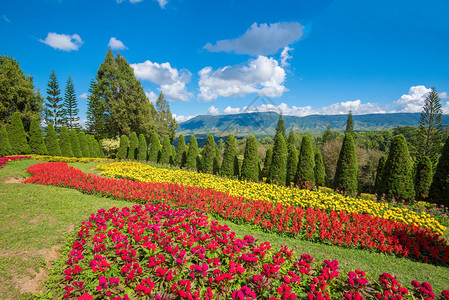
x: 34, y: 221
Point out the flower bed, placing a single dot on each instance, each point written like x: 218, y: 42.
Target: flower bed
x: 273, y: 193
x: 4, y: 160
x: 339, y: 228
x: 156, y: 252
x: 49, y: 158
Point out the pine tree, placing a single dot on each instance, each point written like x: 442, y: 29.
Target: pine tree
x: 280, y: 128
x: 96, y: 112
x: 230, y: 166
x: 430, y: 128
x: 5, y: 146
x: 305, y: 173
x: 70, y: 106
x: 267, y: 162
x: 142, y: 151
x: 398, y: 180
x: 217, y: 162
x: 75, y: 141
x: 64, y: 142
x: 347, y: 170
x: 167, y: 124
x: 250, y: 167
x: 52, y: 141
x: 180, y: 158
x: 423, y: 178
x: 320, y: 172
x: 292, y: 163
x: 349, y: 124
x: 17, y: 136
x: 154, y: 151
x: 54, y: 113
x: 278, y: 167
x: 166, y: 150
x: 84, y: 145
x: 133, y: 145
x: 208, y: 155
x: 439, y: 189
x: 192, y: 153
x: 379, y: 184
x: 37, y: 143
x: 122, y: 152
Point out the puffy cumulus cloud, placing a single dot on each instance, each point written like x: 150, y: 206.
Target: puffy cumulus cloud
x: 63, y: 41
x: 83, y: 95
x: 231, y: 110
x: 413, y: 101
x: 263, y: 39
x: 213, y: 111
x: 443, y: 95
x: 115, y: 44
x: 262, y: 75
x: 181, y: 119
x: 151, y: 96
x: 172, y: 82
x: 356, y: 106
x: 162, y: 3
x: 445, y: 108
x: 285, y: 56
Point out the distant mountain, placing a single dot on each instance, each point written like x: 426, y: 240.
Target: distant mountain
x: 264, y: 123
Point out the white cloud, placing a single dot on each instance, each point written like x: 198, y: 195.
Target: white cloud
x: 172, y: 82
x: 445, y: 108
x: 63, y: 41
x: 265, y: 39
x: 262, y: 75
x: 413, y: 101
x: 115, y: 44
x: 443, y: 95
x: 130, y: 1
x: 285, y: 56
x: 162, y: 3
x: 152, y: 97
x: 83, y: 95
x: 356, y: 106
x: 83, y: 123
x: 231, y: 111
x: 181, y: 119
x: 213, y: 111
x: 5, y: 18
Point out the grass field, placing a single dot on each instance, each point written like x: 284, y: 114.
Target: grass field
x: 34, y: 221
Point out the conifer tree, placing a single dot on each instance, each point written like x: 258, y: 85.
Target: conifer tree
x: 250, y: 167
x: 171, y: 160
x: 65, y: 143
x: 84, y: 145
x: 181, y: 154
x: 267, y: 162
x: 320, y: 172
x: 349, y: 124
x: 167, y: 124
x: 217, y: 161
x: 379, y: 184
x: 5, y: 146
x: 70, y: 106
x: 17, y: 136
x: 327, y: 136
x: 439, y: 189
x: 278, y: 168
x: 52, y: 141
x: 37, y: 143
x: 53, y: 106
x: 280, y: 128
x: 423, y: 178
x: 192, y: 153
x: 133, y: 145
x: 230, y: 166
x: 398, y: 179
x: 96, y: 112
x: 346, y: 173
x: 142, y: 151
x: 292, y: 163
x: 75, y: 141
x: 93, y: 146
x: 154, y: 152
x: 122, y: 152
x: 207, y: 165
x: 305, y: 173
x: 166, y: 150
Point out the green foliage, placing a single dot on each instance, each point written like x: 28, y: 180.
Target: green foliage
x: 5, y: 146
x: 192, y: 153
x: 37, y: 144
x: 267, y: 162
x: 166, y: 151
x: 101, y: 153
x: 305, y: 173
x: 142, y: 150
x: 17, y: 136
x: 54, y: 112
x: 93, y: 146
x: 349, y: 124
x: 327, y: 136
x: 70, y: 106
x: 230, y: 166
x: 208, y: 155
x: 181, y: 154
x: 133, y: 145
x: 122, y: 152
x: 379, y: 184
x: 96, y: 112
x: 250, y: 167
x: 278, y: 167
x: 75, y: 141
x: 84, y: 145
x: 65, y: 143
x: 423, y: 178
x: 110, y: 146
x: 17, y: 93
x: 347, y: 170
x: 292, y: 163
x: 320, y: 172
x: 166, y: 123
x: 217, y: 161
x: 154, y: 151
x: 280, y: 128
x: 398, y: 179
x: 439, y: 189
x: 52, y: 141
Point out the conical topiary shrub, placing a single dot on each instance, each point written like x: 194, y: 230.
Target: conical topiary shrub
x: 37, y: 143
x: 133, y: 145
x: 230, y: 166
x: 208, y: 155
x: 52, y: 141
x: 64, y: 142
x: 166, y: 151
x: 142, y: 150
x: 320, y: 172
x: 181, y: 154
x: 278, y: 168
x: 154, y: 151
x: 346, y: 173
x: 5, y: 146
x: 305, y: 173
x: 84, y: 145
x: 192, y: 153
x: 122, y: 152
x: 423, y: 178
x: 17, y: 136
x: 439, y: 189
x: 267, y: 162
x: 75, y: 141
x: 292, y: 163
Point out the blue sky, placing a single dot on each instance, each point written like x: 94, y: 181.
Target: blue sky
x: 216, y: 57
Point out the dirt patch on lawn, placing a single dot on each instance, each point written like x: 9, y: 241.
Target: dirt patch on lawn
x: 13, y: 180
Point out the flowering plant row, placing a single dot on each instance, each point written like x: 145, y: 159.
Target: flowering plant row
x: 49, y: 158
x: 339, y: 228
x: 4, y: 160
x: 156, y: 252
x: 270, y: 192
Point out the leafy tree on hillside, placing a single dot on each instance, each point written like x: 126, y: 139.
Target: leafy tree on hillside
x: 142, y: 151
x: 166, y: 150
x: 181, y: 154
x: 54, y: 112
x: 250, y: 167
x: 65, y: 143
x: 192, y: 153
x: 278, y: 167
x: 122, y: 152
x: 305, y: 173
x: 349, y: 124
x: 154, y: 151
x: 320, y: 172
x: 347, y: 170
x: 5, y: 146
x: 439, y: 189
x: 423, y: 178
x: 267, y: 162
x: 133, y: 145
x: 52, y: 141
x: 84, y: 145
x: 70, y: 106
x: 280, y: 128
x: 17, y: 136
x: 75, y: 141
x: 230, y: 166
x: 208, y: 155
x: 37, y: 143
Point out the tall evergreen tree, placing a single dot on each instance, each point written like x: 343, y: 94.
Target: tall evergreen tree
x: 430, y: 128
x: 398, y: 179
x: 278, y: 167
x: 267, y: 162
x: 133, y: 145
x: 5, y: 146
x: 122, y: 152
x: 320, y: 172
x: 166, y: 150
x: 208, y: 155
x: 96, y: 112
x: 230, y: 166
x: 181, y: 153
x: 327, y: 136
x: 142, y: 151
x: 65, y: 143
x: 84, y: 145
x: 217, y: 162
x: 250, y: 167
x: 439, y: 189
x: 167, y: 124
x: 99, y: 147
x: 75, y: 141
x: 423, y: 178
x: 93, y: 146
x: 349, y: 124
x: 52, y: 141
x: 292, y: 163
x: 37, y: 143
x: 54, y: 112
x: 280, y: 128
x: 192, y: 153
x: 154, y: 151
x: 305, y: 173
x: 379, y: 183
x: 70, y: 106
x: 17, y: 136
x: 346, y: 173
